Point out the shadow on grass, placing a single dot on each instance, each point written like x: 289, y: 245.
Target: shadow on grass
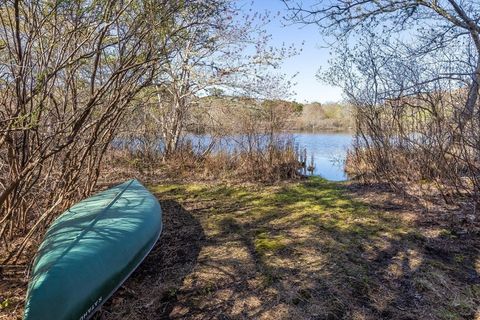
x: 150, y: 293
x: 304, y: 250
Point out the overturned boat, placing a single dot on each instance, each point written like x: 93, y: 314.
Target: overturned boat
x: 90, y: 250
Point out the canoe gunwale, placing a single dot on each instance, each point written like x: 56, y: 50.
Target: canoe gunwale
x: 126, y: 277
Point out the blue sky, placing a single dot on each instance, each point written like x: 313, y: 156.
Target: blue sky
x: 308, y: 62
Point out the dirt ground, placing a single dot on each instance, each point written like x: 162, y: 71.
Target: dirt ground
x: 297, y: 250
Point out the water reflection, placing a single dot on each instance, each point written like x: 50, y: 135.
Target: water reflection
x: 329, y: 151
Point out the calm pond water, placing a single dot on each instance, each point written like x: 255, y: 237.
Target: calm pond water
x: 329, y: 151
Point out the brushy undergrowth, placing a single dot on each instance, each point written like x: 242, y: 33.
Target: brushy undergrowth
x: 261, y: 162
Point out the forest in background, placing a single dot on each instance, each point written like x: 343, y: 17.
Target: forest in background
x: 313, y: 117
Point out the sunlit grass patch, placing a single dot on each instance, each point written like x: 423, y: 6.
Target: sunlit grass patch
x: 265, y: 243
x: 315, y: 203
x: 314, y: 234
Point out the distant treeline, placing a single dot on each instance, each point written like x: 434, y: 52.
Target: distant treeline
x: 225, y: 110
x: 325, y: 117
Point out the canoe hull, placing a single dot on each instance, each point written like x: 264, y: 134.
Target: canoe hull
x: 90, y: 250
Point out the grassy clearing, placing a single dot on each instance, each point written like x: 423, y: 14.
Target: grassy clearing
x: 302, y: 250
x: 298, y: 250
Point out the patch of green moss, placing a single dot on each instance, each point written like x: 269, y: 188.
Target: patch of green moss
x: 316, y: 203
x: 445, y: 233
x: 459, y: 258
x: 264, y: 243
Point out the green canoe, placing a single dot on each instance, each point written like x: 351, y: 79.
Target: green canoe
x: 90, y: 250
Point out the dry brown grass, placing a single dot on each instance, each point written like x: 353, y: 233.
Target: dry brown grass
x: 260, y: 162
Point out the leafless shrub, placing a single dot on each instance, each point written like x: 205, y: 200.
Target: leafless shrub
x: 411, y: 69
x: 69, y: 71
